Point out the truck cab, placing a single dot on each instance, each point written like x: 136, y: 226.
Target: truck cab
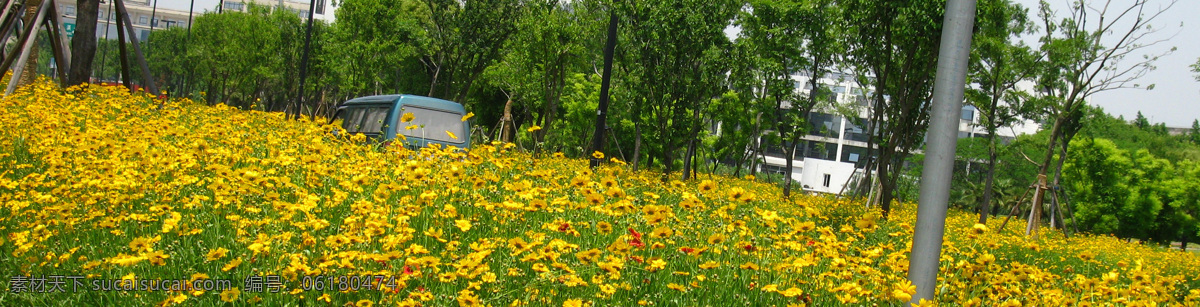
x: 421, y: 120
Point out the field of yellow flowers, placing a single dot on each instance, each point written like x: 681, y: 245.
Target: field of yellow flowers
x: 107, y: 200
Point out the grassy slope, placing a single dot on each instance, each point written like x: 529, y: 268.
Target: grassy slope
x: 100, y: 184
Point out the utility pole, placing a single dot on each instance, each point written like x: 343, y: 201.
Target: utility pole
x: 153, y: 21
x: 188, y: 79
x: 107, y: 28
x: 304, y: 59
x: 605, y: 82
x: 941, y: 141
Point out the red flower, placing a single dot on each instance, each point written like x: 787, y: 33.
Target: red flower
x: 637, y: 243
x: 636, y: 258
x: 687, y: 250
x: 635, y: 234
x: 748, y: 247
x: 408, y: 270
x: 564, y: 227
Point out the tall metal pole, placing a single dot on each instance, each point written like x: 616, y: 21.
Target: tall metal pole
x: 304, y: 59
x: 941, y: 141
x: 605, y: 81
x: 107, y: 28
x: 153, y: 15
x: 187, y: 79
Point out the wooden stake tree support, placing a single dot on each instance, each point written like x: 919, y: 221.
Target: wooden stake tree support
x: 1040, y: 189
x: 18, y: 59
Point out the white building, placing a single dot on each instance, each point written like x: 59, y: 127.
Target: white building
x: 143, y: 14
x: 146, y: 16
x: 826, y: 157
x: 323, y: 9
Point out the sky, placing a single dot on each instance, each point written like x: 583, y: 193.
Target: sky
x: 1175, y: 99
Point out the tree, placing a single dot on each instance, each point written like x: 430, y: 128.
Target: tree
x: 676, y: 56
x: 1196, y: 69
x: 1099, y: 184
x: 549, y: 45
x: 83, y: 44
x: 1195, y: 133
x: 246, y: 57
x: 998, y: 62
x: 1084, y: 54
x: 894, y: 46
x: 378, y: 43
x: 788, y: 37
x: 1141, y: 122
x: 464, y: 38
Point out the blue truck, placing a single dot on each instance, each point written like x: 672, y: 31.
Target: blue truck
x: 421, y: 120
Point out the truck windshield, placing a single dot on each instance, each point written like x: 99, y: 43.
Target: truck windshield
x: 432, y: 124
x: 368, y: 120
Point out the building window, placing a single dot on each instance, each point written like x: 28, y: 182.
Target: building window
x: 142, y: 20
x: 968, y: 113
x: 70, y: 10
x: 827, y: 179
x: 234, y: 5
x: 853, y: 158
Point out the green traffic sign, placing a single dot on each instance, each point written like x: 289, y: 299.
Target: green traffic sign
x: 70, y: 27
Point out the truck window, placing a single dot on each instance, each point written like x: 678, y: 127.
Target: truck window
x: 368, y: 120
x: 436, y: 123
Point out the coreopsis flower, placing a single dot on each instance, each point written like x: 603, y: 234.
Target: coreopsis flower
x: 903, y: 290
x: 216, y: 254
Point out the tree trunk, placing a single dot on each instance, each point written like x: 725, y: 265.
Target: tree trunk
x: 83, y: 45
x: 637, y: 146
x: 888, y: 173
x: 787, y: 187
x: 985, y: 207
x: 688, y: 158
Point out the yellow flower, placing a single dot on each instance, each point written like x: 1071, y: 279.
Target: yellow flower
x: 468, y: 116
x: 451, y: 134
x: 657, y: 264
x: 364, y: 303
x: 233, y: 264
x: 230, y: 295
x: 716, y: 239
x: 463, y: 225
x: 573, y: 303
x: 215, y: 254
x: 533, y: 128
x: 677, y: 287
x: 904, y: 290
x: 792, y: 292
x: 407, y: 117
x: 598, y: 155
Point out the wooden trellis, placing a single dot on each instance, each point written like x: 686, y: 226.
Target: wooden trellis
x: 11, y: 19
